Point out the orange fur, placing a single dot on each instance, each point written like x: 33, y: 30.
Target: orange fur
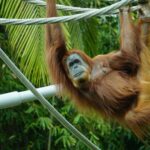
x: 119, y: 85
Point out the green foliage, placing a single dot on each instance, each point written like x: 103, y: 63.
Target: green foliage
x: 27, y: 42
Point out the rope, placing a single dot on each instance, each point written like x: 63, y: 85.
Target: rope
x: 75, y: 17
x: 71, y: 8
x: 45, y: 103
x: 61, y: 7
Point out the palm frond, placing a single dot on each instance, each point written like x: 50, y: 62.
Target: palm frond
x: 27, y: 42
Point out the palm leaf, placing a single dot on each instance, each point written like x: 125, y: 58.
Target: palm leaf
x: 27, y: 42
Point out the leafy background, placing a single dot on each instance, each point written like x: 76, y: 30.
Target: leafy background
x: 29, y: 126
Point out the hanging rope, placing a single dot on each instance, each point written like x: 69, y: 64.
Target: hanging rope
x: 71, y: 8
x: 75, y: 17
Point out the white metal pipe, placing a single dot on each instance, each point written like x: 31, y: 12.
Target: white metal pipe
x: 16, y: 98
